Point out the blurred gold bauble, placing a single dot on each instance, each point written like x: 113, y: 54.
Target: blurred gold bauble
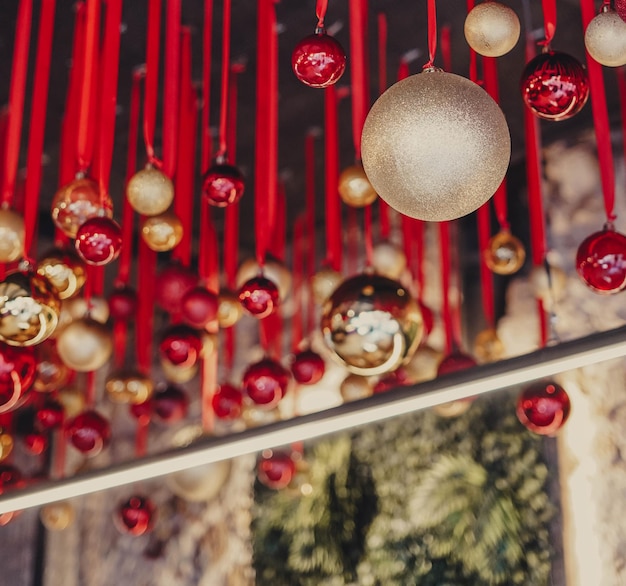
x: 128, y: 387
x: 57, y: 516
x: 488, y: 347
x: 253, y: 416
x: 355, y: 387
x: 492, y: 29
x: 355, y: 188
x: 423, y: 365
x: 389, y: 260
x: 605, y: 39
x: 73, y: 401
x: 201, y: 484
x: 85, y: 345
x: 6, y: 445
x: 178, y: 374
x: 29, y: 309
x: 76, y: 202
x: 505, y: 254
x: 274, y: 270
x: 78, y: 307
x: 65, y: 271
x: 548, y: 289
x: 163, y: 232
x: 150, y: 192
x: 435, y: 146
x: 52, y: 373
x: 371, y: 324
x: 11, y: 235
x: 323, y: 283
x: 229, y: 310
x: 453, y: 408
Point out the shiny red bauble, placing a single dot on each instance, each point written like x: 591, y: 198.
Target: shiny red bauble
x: 318, y: 60
x: 10, y: 477
x: 266, y: 383
x: 222, y: 185
x: 136, y: 516
x: 173, y: 282
x: 227, y: 402
x: 123, y: 304
x: 181, y: 346
x: 199, y: 307
x: 50, y: 415
x: 99, y: 241
x: 275, y: 469
x: 36, y: 442
x: 601, y: 261
x: 18, y: 367
x: 543, y: 407
x: 170, y: 404
x: 89, y: 432
x: 455, y: 362
x: 259, y: 296
x: 307, y: 367
x: 142, y: 410
x: 554, y: 85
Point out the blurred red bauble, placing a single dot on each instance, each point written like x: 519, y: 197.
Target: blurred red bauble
x: 142, y: 410
x: 620, y: 7
x: 36, y: 442
x: 275, y: 469
x: 173, y: 282
x: 390, y: 381
x: 227, y: 402
x: 259, y: 296
x: 123, y: 303
x: 170, y: 404
x: 308, y: 367
x: 543, y: 407
x: 601, y: 261
x: 18, y: 366
x: 222, y: 185
x: 554, y: 85
x: 99, y: 241
x: 88, y: 432
x: 199, y: 307
x: 455, y: 362
x: 266, y: 383
x: 10, y: 477
x: 181, y: 346
x: 318, y: 60
x: 136, y: 516
x: 50, y: 415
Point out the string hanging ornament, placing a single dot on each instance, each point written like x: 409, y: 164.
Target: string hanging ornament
x: 492, y: 29
x: 605, y: 37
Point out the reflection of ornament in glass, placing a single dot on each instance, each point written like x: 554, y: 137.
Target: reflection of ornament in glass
x: 554, y: 86
x: 200, y: 484
x: 389, y: 260
x: 172, y: 284
x: 163, y: 232
x: 423, y: 365
x: 122, y: 302
x: 18, y: 367
x: 505, y: 254
x: 453, y: 408
x: 170, y: 404
x: 323, y: 283
x: 85, y: 345
x: 455, y: 362
x: 543, y: 407
x: 274, y: 270
x: 222, y: 185
x: 307, y: 367
x: 99, y: 241
x: 52, y: 373
x: 393, y: 380
x: 50, y: 415
x: 259, y: 296
x: 355, y: 188
x: 227, y: 402
x: 11, y: 235
x: 136, y: 516
x: 492, y: 29
x: 435, y: 146
x: 199, y: 307
x: 178, y: 374
x: 371, y: 324
x: 266, y: 383
x: 601, y: 261
x: 605, y: 38
x: 355, y: 387
x: 64, y: 270
x: 229, y: 310
x: 128, y: 387
x: 57, y: 516
x: 275, y: 469
x: 181, y: 346
x: 89, y: 432
x: 318, y: 60
x: 488, y: 347
x: 150, y: 192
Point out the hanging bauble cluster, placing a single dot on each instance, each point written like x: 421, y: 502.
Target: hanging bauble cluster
x: 601, y: 261
x: 543, y: 407
x: 605, y: 38
x: 492, y: 29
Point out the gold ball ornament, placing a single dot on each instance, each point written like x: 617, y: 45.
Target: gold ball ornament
x: 178, y: 374
x: 85, y: 345
x: 6, y: 445
x: 201, y: 484
x: 97, y: 308
x: 423, y: 365
x: 355, y: 188
x: 64, y: 270
x: 150, y: 192
x: 355, y: 387
x: 128, y: 387
x: 162, y: 232
x: 12, y: 235
x: 52, y: 373
x: 492, y: 29
x: 389, y: 260
x: 252, y: 416
x: 57, y: 516
x: 488, y: 347
x: 274, y: 270
x: 29, y: 309
x: 435, y: 146
x: 371, y: 324
x: 73, y: 401
x: 505, y: 254
x: 323, y: 283
x: 229, y: 310
x: 605, y: 38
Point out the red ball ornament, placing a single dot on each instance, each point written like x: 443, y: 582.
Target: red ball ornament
x: 136, y: 516
x: 318, y: 60
x: 227, y: 402
x: 199, y: 307
x: 170, y: 404
x: 601, y: 261
x: 88, y: 432
x: 554, y: 85
x: 173, y: 282
x: 393, y: 380
x: 36, y: 442
x: 181, y: 346
x: 50, y: 415
x: 543, y: 407
x: 142, y: 410
x: 18, y: 367
x: 275, y: 469
x: 123, y: 304
x: 455, y: 362
x: 259, y: 296
x: 308, y: 367
x: 10, y: 477
x: 222, y: 185
x: 99, y: 241
x: 266, y: 383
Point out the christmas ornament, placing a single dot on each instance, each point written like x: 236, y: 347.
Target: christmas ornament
x: 222, y: 184
x: 254, y: 416
x: 57, y: 516
x: 89, y: 432
x: 200, y: 484
x: 423, y: 365
x: 229, y: 310
x: 6, y: 445
x: 323, y: 283
x: 354, y: 187
x: 95, y: 307
x: 199, y: 307
x: 275, y: 469
x: 128, y: 387
x: 605, y: 38
x: 77, y: 202
x: 150, y: 192
x: 274, y: 270
x: 389, y: 260
x: 543, y: 407
x: 371, y: 324
x: 85, y: 345
x: 35, y: 442
x: 10, y: 478
x: 172, y: 284
x: 505, y: 254
x: 52, y: 373
x: 454, y: 362
x: 64, y: 270
x: 601, y: 261
x: 170, y: 404
x: 50, y: 415
x: 227, y: 402
x: 259, y: 296
x: 178, y: 374
x: 488, y: 347
x: 181, y: 345
x: 73, y: 401
x: 122, y: 303
x: 318, y: 60
x: 554, y: 86
x: 453, y: 409
x: 136, y: 516
x: 492, y: 29
x: 18, y: 367
x: 266, y: 383
x: 163, y: 232
x: 355, y: 387
x: 29, y: 309
x: 142, y: 411
x: 307, y: 367
x: 11, y: 235
x: 435, y: 146
x: 99, y: 241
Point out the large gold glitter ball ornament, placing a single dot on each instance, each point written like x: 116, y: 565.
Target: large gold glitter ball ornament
x: 435, y: 146
x: 29, y: 309
x: 355, y: 188
x: 201, y: 484
x: 85, y: 345
x: 605, y: 38
x: 323, y: 283
x: 128, y: 387
x: 150, y: 192
x: 488, y: 347
x: 274, y: 270
x: 371, y: 324
x: 505, y: 254
x: 229, y: 310
x: 65, y: 271
x: 78, y: 201
x: 11, y: 235
x: 57, y: 516
x: 492, y: 29
x: 162, y: 232
x: 389, y: 260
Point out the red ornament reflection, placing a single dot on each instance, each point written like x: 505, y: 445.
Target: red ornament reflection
x: 123, y: 303
x: 136, y: 516
x: 393, y: 380
x: 259, y: 296
x: 18, y: 367
x: 543, y: 408
x: 227, y: 402
x: 308, y: 367
x: 222, y: 185
x: 318, y: 60
x: 266, y: 383
x: 170, y: 404
x: 181, y: 346
x: 601, y: 261
x: 199, y: 307
x: 10, y: 477
x: 88, y: 432
x: 455, y: 362
x: 275, y: 469
x: 99, y: 241
x: 173, y: 282
x: 50, y: 415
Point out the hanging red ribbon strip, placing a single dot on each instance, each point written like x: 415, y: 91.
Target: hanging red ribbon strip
x: 309, y: 240
x: 432, y: 33
x: 223, y: 147
x: 549, y: 21
x: 446, y: 312
x: 171, y: 89
x: 446, y: 52
x: 358, y: 70
x: 297, y: 327
x: 621, y: 86
x: 383, y: 207
x: 483, y: 219
x: 320, y: 12
x: 205, y: 131
x: 151, y: 84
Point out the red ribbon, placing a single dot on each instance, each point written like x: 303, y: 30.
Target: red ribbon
x: 549, y: 21
x: 383, y: 207
x: 145, y: 310
x: 171, y: 88
x: 358, y: 69
x: 222, y: 151
x: 446, y: 51
x: 368, y: 235
x: 297, y: 326
x: 278, y: 240
x: 151, y: 84
x: 309, y: 196
x: 483, y: 218
x: 320, y: 12
x: 352, y: 237
x: 432, y: 33
x: 448, y: 321
x: 205, y: 131
x: 621, y: 86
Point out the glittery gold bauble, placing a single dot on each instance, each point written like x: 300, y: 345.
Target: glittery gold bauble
x: 355, y: 188
x: 85, y: 345
x: 323, y: 283
x: 423, y: 365
x: 57, y: 516
x: 274, y: 270
x: 229, y: 310
x: 605, y: 39
x: 505, y: 254
x: 178, y: 374
x: 453, y: 408
x: 389, y: 260
x: 6, y: 445
x: 76, y: 202
x: 29, y: 309
x: 355, y: 387
x: 150, y: 192
x: 163, y: 232
x: 11, y: 235
x: 548, y: 289
x: 435, y: 146
x: 52, y: 373
x: 492, y: 29
x: 200, y: 484
x: 65, y: 271
x: 371, y: 324
x: 73, y: 401
x: 128, y: 387
x: 488, y: 347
